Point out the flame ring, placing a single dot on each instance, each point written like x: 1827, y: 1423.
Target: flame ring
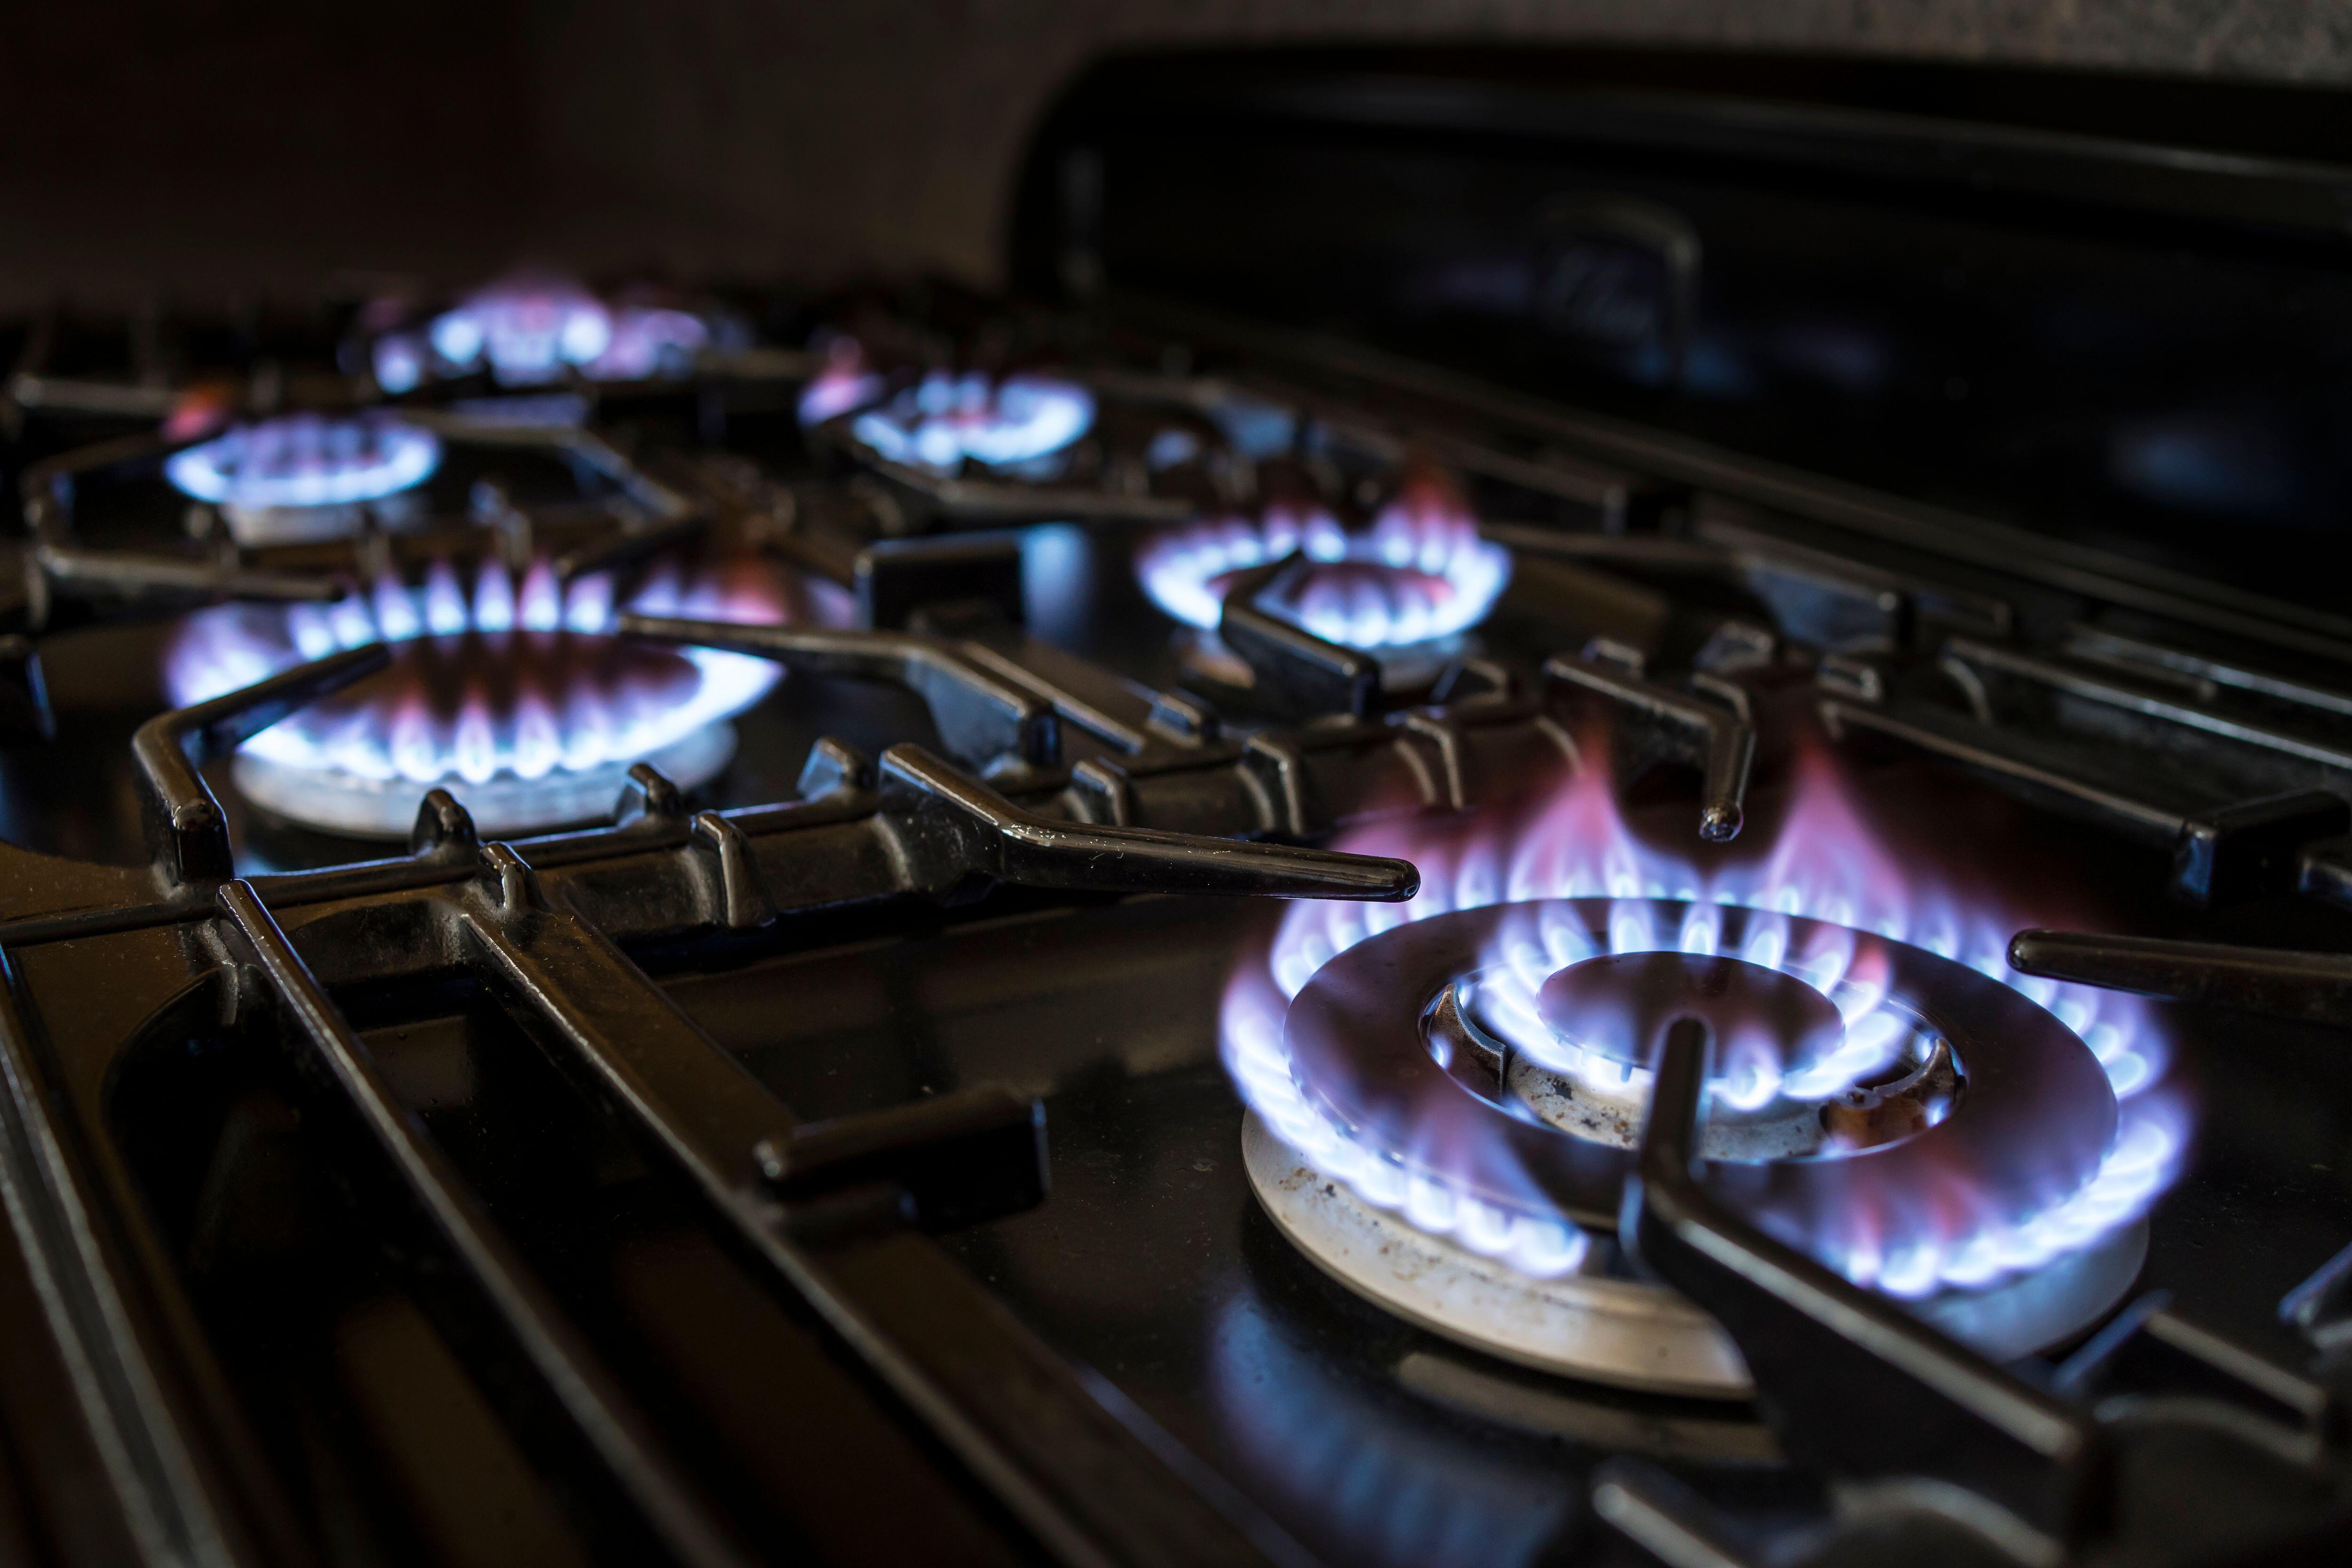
x: 943, y: 420
x: 305, y: 461
x: 2031, y: 1130
x: 1440, y: 581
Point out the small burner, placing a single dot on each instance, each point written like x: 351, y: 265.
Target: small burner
x: 1474, y: 1062
x: 1418, y: 577
x: 306, y: 476
x: 512, y: 697
x: 847, y: 382
x: 1017, y: 423
x: 528, y: 331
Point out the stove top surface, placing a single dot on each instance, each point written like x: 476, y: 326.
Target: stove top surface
x: 648, y: 928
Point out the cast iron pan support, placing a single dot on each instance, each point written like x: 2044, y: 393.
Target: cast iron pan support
x: 1653, y: 723
x: 2314, y: 987
x: 1849, y: 1381
x: 835, y: 1213
x: 575, y: 1396
x: 186, y: 832
x: 979, y: 717
x: 1296, y: 672
x: 951, y: 828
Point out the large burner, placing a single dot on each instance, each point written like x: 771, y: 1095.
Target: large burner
x: 305, y: 476
x: 514, y: 697
x: 1463, y: 1078
x: 1419, y: 575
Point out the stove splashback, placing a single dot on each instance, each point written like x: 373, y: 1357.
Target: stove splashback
x: 2115, y: 312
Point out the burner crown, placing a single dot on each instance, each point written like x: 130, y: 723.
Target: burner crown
x: 1618, y: 1005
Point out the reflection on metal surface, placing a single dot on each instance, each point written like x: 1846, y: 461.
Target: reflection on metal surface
x: 1387, y: 1494
x: 1715, y: 1433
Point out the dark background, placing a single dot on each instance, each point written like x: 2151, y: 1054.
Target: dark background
x: 218, y: 152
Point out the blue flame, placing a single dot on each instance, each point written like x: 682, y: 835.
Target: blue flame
x: 531, y: 331
x: 944, y: 419
x: 1824, y: 867
x: 523, y: 628
x: 307, y: 460
x: 1420, y: 571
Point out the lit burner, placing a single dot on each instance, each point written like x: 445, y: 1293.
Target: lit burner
x: 944, y: 419
x: 531, y: 331
x: 304, y: 476
x: 1887, y: 1094
x: 1419, y: 573
x: 846, y: 382
x: 514, y: 697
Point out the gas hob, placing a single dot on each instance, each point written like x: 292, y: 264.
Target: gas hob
x: 1126, y: 925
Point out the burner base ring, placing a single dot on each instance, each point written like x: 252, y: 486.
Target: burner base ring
x: 335, y: 802
x: 254, y: 526
x: 1405, y: 668
x: 1625, y: 1332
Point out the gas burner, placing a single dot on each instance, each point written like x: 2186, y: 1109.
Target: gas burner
x: 1416, y: 579
x: 307, y: 476
x: 1019, y: 423
x: 513, y: 696
x: 846, y: 382
x: 531, y: 331
x: 1445, y: 1094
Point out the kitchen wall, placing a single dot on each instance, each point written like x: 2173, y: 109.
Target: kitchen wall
x: 822, y: 138
x: 214, y: 147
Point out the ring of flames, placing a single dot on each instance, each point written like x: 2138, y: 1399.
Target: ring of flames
x: 1420, y: 573
x: 944, y: 419
x: 306, y: 459
x: 1322, y: 1031
x: 530, y: 331
x: 581, y: 698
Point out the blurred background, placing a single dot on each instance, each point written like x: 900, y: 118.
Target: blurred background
x: 224, y: 150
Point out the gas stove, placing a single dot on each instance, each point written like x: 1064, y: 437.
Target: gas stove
x: 1571, y: 898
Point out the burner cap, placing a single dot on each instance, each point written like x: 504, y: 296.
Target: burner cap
x: 1618, y: 1005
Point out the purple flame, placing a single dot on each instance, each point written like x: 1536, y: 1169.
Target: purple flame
x: 528, y: 331
x: 574, y: 697
x: 1420, y: 571
x: 1824, y: 867
x: 944, y: 419
x: 307, y: 461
